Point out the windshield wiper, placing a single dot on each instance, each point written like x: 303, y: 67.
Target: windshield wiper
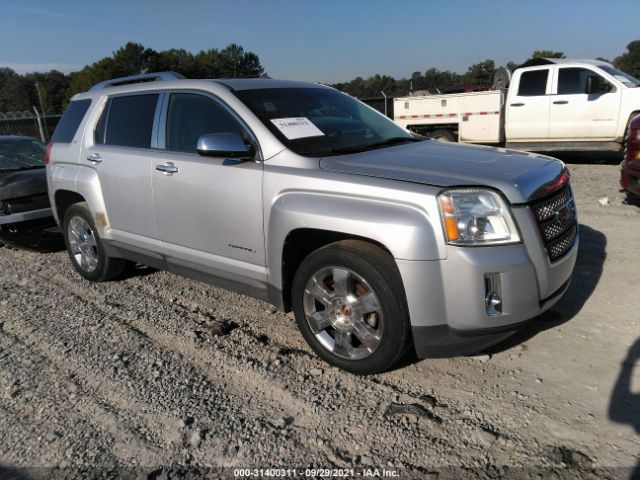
x: 371, y: 146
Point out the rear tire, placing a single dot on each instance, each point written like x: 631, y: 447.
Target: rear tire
x: 85, y: 247
x: 443, y: 135
x: 349, y: 303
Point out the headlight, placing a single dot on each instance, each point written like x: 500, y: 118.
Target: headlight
x: 473, y: 216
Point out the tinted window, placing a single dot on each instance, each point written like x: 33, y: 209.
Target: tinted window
x: 533, y: 83
x: 130, y: 120
x: 573, y: 80
x: 191, y: 116
x: 70, y: 121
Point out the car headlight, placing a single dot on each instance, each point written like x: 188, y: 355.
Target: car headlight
x: 473, y: 216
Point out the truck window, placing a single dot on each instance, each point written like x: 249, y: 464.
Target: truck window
x: 128, y: 121
x: 533, y: 83
x: 70, y: 121
x: 573, y: 80
x: 190, y: 116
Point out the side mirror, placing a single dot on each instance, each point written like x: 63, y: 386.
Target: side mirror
x: 596, y: 85
x: 225, y: 145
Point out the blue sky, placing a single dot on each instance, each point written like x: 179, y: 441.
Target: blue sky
x: 325, y: 41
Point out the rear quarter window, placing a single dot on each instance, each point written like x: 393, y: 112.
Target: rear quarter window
x: 70, y: 121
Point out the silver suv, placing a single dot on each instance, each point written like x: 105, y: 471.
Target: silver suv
x: 306, y: 198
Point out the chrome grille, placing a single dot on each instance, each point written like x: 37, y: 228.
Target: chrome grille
x: 556, y: 217
x: 562, y: 245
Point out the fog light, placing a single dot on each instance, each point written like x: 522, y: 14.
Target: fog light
x: 493, y: 294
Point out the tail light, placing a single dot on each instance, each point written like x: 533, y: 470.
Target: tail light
x: 47, y: 154
x: 633, y: 140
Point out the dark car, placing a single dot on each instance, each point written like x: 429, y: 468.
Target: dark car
x: 25, y: 212
x: 630, y: 168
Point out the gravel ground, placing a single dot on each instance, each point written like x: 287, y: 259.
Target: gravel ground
x: 156, y: 374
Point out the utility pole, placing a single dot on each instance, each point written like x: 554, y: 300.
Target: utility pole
x: 44, y: 122
x: 385, y: 102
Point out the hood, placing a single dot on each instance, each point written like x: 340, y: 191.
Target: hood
x: 23, y: 183
x: 520, y: 176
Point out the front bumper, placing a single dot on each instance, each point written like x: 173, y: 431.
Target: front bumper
x: 630, y: 177
x: 446, y: 298
x: 444, y: 341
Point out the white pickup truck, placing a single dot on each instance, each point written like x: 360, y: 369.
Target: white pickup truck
x: 548, y: 105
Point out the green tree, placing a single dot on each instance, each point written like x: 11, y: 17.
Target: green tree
x: 547, y: 54
x: 235, y: 62
x: 629, y: 61
x: 53, y: 88
x: 480, y: 73
x: 134, y: 58
x: 16, y: 93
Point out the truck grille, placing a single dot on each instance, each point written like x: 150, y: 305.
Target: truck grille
x: 557, y: 220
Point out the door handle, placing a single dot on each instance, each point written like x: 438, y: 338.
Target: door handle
x: 167, y: 169
x: 94, y: 158
x: 561, y: 102
x: 516, y: 105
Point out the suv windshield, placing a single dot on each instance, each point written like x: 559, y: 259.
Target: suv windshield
x: 322, y: 121
x: 625, y: 78
x: 21, y: 154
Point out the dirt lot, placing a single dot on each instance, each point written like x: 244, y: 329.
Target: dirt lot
x: 157, y: 370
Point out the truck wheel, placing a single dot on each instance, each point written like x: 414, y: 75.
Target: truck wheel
x: 443, y: 135
x: 350, y: 306
x: 85, y: 247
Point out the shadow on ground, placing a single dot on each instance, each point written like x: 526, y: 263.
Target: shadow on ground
x: 10, y: 473
x: 624, y: 406
x: 603, y: 158
x: 586, y: 275
x: 45, y: 241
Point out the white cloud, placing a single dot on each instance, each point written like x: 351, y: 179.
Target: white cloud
x: 41, y: 67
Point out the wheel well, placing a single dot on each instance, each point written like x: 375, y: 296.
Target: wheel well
x: 428, y: 129
x: 64, y: 199
x: 300, y: 243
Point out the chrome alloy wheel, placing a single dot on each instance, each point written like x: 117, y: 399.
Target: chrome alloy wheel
x: 82, y: 243
x: 343, y: 312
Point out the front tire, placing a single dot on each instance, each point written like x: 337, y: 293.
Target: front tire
x: 350, y: 306
x: 85, y: 247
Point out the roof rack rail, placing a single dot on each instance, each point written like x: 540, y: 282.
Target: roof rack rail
x: 143, y: 77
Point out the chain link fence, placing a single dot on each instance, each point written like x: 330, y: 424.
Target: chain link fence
x: 30, y: 124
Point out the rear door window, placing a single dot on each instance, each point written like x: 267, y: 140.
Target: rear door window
x: 70, y: 121
x: 533, y: 83
x: 128, y: 121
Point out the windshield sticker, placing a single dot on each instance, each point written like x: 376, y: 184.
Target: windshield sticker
x: 297, y: 127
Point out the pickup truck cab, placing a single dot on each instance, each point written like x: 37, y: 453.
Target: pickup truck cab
x: 548, y: 105
x: 304, y: 197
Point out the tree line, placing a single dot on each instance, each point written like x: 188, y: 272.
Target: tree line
x: 51, y: 91
x: 22, y: 92
x: 481, y: 73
